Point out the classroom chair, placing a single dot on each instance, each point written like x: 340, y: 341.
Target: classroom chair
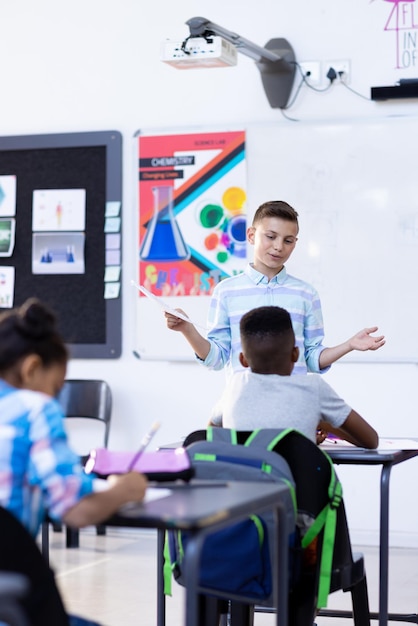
x: 13, y: 588
x: 40, y: 602
x: 311, y: 471
x: 84, y: 399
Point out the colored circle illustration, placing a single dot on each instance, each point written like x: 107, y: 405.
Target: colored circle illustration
x: 233, y: 199
x: 211, y: 215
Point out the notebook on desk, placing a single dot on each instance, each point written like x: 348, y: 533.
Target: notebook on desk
x: 162, y: 465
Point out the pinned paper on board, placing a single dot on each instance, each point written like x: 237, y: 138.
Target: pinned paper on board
x: 112, y: 291
x: 112, y: 274
x: 59, y: 210
x: 58, y: 253
x: 7, y: 286
x: 7, y: 236
x: 112, y: 209
x: 7, y: 195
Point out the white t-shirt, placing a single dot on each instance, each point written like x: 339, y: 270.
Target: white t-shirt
x: 252, y: 401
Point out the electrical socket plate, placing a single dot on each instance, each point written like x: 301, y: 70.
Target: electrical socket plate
x: 339, y: 66
x: 313, y: 68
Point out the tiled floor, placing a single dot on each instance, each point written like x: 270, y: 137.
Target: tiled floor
x: 112, y: 579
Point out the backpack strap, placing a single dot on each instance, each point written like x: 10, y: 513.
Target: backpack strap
x: 167, y: 567
x: 327, y: 519
x: 216, y: 433
x: 267, y: 438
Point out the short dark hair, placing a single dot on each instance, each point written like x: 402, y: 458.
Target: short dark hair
x: 267, y: 338
x: 276, y: 208
x: 30, y: 329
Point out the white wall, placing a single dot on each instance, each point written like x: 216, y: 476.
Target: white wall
x: 94, y: 65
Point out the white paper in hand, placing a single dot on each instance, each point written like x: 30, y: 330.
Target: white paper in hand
x: 166, y: 307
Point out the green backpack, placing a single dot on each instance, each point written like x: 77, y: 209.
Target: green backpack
x: 237, y: 559
x: 318, y: 489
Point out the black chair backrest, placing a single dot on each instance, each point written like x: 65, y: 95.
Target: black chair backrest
x: 19, y: 553
x: 90, y: 399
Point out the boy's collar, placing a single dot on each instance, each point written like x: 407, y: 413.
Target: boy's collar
x: 257, y: 277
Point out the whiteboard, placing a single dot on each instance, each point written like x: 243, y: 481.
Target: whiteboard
x: 355, y: 187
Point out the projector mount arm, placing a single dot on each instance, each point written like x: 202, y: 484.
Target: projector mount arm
x: 276, y: 61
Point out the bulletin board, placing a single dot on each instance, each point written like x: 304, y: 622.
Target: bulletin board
x: 354, y: 184
x: 62, y: 195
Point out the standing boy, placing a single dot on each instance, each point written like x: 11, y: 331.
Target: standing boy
x: 265, y: 395
x: 273, y: 234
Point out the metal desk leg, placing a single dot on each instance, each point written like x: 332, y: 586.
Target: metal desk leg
x: 384, y: 544
x: 282, y: 564
x: 160, y: 578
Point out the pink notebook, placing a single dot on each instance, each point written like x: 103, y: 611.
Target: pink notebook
x: 169, y: 464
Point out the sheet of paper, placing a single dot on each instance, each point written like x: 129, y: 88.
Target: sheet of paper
x: 385, y: 443
x: 7, y: 286
x: 165, y: 306
x: 59, y: 210
x: 154, y: 493
x: 338, y: 444
x: 7, y: 236
x: 7, y: 195
x: 397, y: 443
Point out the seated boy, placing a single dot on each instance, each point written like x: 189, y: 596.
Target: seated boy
x: 265, y: 395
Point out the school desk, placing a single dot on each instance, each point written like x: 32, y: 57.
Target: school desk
x: 203, y: 507
x: 387, y: 459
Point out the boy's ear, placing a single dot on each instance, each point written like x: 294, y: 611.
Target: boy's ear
x: 243, y: 360
x: 29, y: 369
x: 250, y: 234
x: 295, y: 354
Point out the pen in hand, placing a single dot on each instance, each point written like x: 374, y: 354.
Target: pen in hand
x: 143, y: 445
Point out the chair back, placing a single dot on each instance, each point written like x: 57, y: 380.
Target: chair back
x: 19, y: 553
x: 90, y: 399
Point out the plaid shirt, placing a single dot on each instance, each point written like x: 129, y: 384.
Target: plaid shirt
x: 235, y: 296
x: 38, y: 470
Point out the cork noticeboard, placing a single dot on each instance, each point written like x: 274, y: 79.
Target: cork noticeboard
x: 66, y: 216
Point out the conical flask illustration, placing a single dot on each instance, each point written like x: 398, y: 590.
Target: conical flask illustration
x: 163, y: 240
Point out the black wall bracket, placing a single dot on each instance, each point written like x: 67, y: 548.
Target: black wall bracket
x: 407, y: 89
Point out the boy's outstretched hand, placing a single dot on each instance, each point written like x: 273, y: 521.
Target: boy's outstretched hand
x: 364, y: 341
x: 361, y: 341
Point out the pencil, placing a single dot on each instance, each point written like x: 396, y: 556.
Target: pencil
x: 143, y: 445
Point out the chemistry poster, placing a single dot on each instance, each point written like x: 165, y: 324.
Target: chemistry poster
x: 192, y: 211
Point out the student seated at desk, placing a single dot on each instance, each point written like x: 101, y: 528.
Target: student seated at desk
x: 265, y: 395
x: 38, y: 470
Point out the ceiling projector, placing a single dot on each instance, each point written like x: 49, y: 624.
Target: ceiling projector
x: 197, y: 52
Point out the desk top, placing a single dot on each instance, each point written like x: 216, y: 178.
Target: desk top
x: 200, y: 504
x: 351, y: 455
x: 362, y: 456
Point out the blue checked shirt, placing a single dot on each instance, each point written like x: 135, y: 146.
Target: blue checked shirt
x: 235, y: 296
x: 38, y: 470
